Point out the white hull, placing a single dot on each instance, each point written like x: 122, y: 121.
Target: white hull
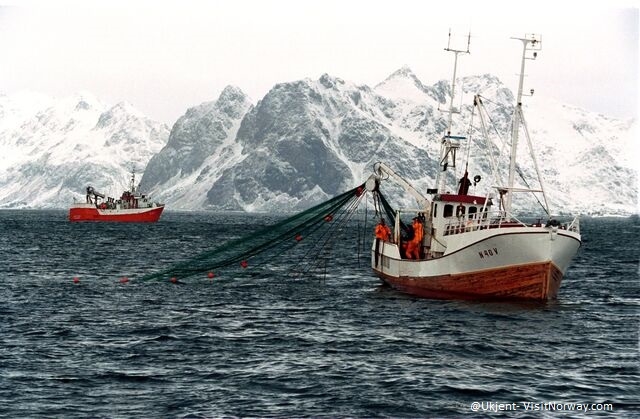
x: 485, y: 263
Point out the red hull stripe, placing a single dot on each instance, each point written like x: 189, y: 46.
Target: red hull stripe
x: 467, y: 199
x: 536, y: 281
x: 150, y: 215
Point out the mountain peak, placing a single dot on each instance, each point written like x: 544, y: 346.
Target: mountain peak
x: 404, y: 71
x: 125, y: 106
x: 233, y: 94
x: 330, y: 82
x: 117, y: 114
x: 233, y: 102
x: 403, y: 84
x: 78, y: 102
x: 85, y: 100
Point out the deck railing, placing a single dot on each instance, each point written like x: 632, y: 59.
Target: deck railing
x: 478, y: 221
x: 490, y: 219
x: 499, y: 219
x: 574, y: 225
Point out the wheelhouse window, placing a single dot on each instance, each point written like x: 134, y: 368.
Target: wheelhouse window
x: 472, y: 211
x: 448, y: 211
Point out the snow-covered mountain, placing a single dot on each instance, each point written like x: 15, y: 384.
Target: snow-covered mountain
x: 305, y: 141
x: 52, y: 149
x: 586, y: 159
x: 202, y: 144
x: 311, y: 139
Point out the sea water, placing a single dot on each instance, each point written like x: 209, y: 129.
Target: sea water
x: 260, y: 342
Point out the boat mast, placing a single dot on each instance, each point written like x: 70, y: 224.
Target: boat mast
x: 450, y: 144
x: 133, y: 181
x: 530, y: 42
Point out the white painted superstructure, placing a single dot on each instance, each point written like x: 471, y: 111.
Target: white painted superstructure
x: 468, y: 249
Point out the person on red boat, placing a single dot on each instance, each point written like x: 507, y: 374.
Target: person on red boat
x: 414, y: 245
x: 382, y: 231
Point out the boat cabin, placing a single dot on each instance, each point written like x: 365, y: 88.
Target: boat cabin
x: 454, y: 214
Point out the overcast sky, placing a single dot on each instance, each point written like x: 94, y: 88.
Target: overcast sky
x: 164, y: 57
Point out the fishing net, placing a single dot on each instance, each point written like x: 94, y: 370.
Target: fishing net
x: 304, y: 237
x: 390, y: 212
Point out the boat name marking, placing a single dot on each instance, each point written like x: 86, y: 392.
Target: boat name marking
x: 488, y: 252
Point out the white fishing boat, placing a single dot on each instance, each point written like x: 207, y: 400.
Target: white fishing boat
x: 474, y: 247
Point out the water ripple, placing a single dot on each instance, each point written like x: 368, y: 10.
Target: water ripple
x: 267, y: 344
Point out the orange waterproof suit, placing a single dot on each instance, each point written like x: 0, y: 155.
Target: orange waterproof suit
x: 413, y: 247
x: 383, y: 232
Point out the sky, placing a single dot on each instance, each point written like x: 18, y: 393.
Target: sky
x: 166, y: 56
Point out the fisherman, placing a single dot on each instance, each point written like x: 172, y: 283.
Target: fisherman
x: 414, y: 245
x: 464, y: 183
x: 382, y: 231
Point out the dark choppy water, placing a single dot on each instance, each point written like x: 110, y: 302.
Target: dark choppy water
x: 271, y: 345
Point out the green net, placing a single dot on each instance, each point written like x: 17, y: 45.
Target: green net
x: 390, y: 211
x: 321, y: 222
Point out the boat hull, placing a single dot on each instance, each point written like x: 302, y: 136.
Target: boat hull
x: 88, y: 212
x: 536, y: 281
x: 512, y: 264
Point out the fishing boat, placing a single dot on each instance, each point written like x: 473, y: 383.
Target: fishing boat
x: 131, y: 207
x: 463, y: 247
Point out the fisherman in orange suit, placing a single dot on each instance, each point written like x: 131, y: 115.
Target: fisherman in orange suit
x: 414, y: 245
x: 382, y: 231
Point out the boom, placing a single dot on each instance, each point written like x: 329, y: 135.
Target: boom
x: 91, y: 191
x: 381, y: 170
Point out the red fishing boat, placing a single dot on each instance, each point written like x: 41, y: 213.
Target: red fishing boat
x: 459, y: 246
x: 131, y: 207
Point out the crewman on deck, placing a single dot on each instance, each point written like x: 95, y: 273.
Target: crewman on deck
x: 382, y: 231
x: 414, y: 245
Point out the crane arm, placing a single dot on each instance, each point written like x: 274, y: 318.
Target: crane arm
x: 91, y: 191
x: 383, y: 171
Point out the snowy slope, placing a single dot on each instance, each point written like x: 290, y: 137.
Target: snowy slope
x: 55, y: 148
x: 308, y: 140
x: 588, y: 158
x: 305, y: 141
x: 201, y: 145
x: 584, y: 156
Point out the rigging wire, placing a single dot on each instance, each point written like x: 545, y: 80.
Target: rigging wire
x: 504, y: 143
x: 323, y: 246
x: 467, y: 148
x: 495, y: 126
